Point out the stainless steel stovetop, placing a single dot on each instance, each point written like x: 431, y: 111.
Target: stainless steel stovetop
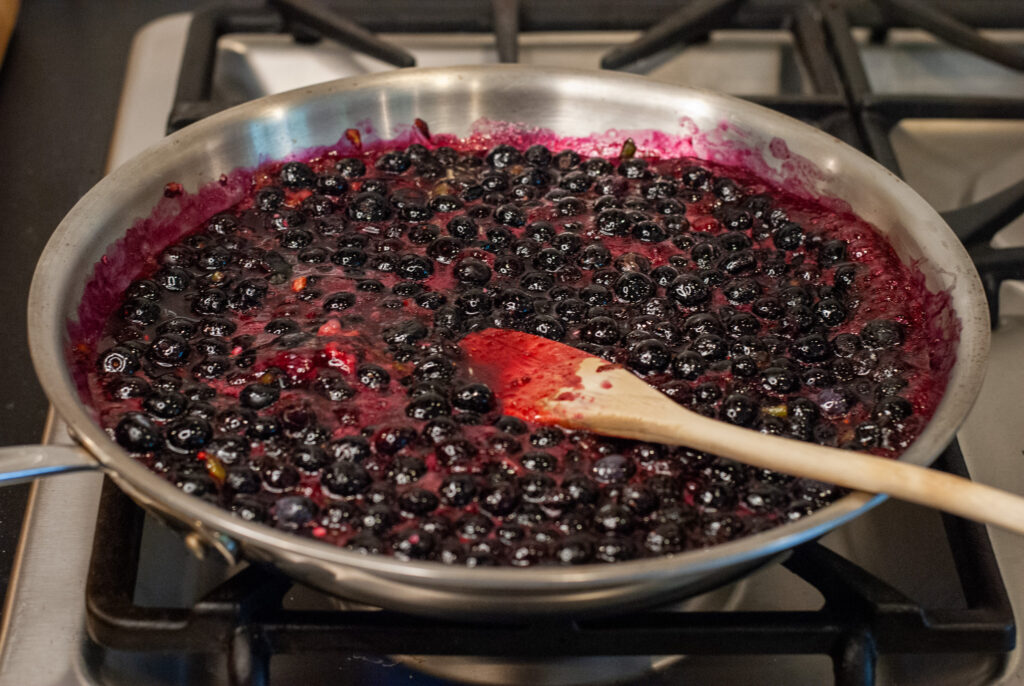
x: 950, y: 162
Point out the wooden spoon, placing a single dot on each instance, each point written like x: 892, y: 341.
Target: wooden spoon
x: 544, y: 381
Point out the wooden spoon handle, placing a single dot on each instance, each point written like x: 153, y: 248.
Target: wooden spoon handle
x: 629, y: 409
x: 847, y: 468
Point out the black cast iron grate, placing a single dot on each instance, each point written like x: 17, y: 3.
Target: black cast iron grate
x: 244, y: 619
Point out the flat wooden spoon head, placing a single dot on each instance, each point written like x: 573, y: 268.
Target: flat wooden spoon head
x: 540, y: 380
x: 551, y: 383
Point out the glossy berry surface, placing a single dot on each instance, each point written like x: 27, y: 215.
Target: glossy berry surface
x: 295, y: 357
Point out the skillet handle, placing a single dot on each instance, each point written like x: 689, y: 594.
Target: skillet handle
x: 20, y: 463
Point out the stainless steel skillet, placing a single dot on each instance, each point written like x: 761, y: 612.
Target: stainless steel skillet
x: 452, y: 100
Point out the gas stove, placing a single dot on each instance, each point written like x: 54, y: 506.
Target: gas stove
x: 104, y: 595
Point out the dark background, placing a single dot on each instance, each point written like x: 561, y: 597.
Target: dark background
x: 59, y: 88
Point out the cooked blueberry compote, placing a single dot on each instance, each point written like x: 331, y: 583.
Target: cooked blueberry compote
x: 294, y: 358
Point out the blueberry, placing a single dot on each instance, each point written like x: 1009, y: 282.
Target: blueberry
x: 294, y: 512
x: 740, y: 291
x: 649, y: 232
x: 649, y: 356
x: 330, y: 385
x: 164, y: 404
x: 595, y: 256
x: 210, y: 301
x: 831, y: 252
x: 893, y: 408
x: 613, y: 222
x: 339, y: 302
x: 738, y: 262
x: 614, y: 468
x: 550, y: 259
x: 188, y: 434
x: 471, y: 271
x: 389, y: 440
x: 572, y: 311
x: 373, y: 376
x: 369, y: 207
x: 349, y: 257
x: 427, y: 406
x: 881, y: 334
x: 511, y: 425
x: 120, y: 359
x: 739, y: 409
x: 369, y: 286
x: 499, y: 500
x: 417, y: 502
x: 811, y: 348
x: 576, y: 182
x: 665, y: 538
x: 258, y: 395
x: 600, y: 330
x: 474, y: 397
x: 789, y: 236
x: 174, y: 279
x: 141, y: 311
x: 711, y: 347
x: 404, y: 332
x: 414, y: 267
x: 463, y: 228
x: 345, y: 479
x: 510, y: 215
x: 351, y: 167
x: 566, y: 160
x: 726, y: 190
x: 502, y: 156
x: 393, y: 162
x: 242, y: 480
x: 545, y: 326
x: 633, y: 287
x: 633, y: 168
x: 349, y: 449
x: 688, y: 290
x: 137, y: 433
x: 470, y: 302
x: 696, y: 177
x: 457, y: 490
x: 845, y: 276
x: 125, y: 387
x: 269, y: 199
x: 779, y: 380
x: 169, y: 350
x: 537, y: 461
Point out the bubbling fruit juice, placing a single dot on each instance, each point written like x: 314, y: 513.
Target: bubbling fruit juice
x: 294, y: 358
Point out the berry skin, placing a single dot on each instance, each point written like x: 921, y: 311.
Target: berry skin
x: 140, y: 311
x: 188, y: 434
x: 881, y: 334
x: 136, y: 433
x: 740, y: 409
x: 164, y: 404
x: 119, y: 359
x: 472, y: 272
x: 650, y: 356
x: 345, y: 479
x: 688, y: 290
x: 428, y: 406
x: 258, y: 396
x: 600, y: 330
x: 169, y: 350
